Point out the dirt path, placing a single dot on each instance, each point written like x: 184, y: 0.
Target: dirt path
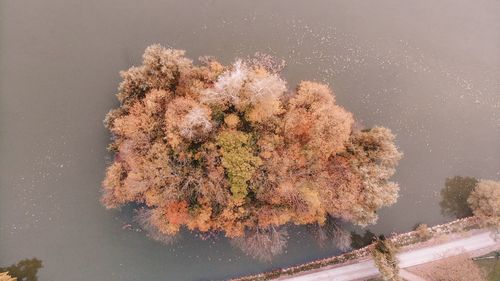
x: 406, y: 275
x: 366, y: 268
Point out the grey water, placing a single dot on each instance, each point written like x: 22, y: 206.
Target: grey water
x: 429, y: 70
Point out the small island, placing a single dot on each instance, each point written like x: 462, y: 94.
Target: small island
x: 231, y: 149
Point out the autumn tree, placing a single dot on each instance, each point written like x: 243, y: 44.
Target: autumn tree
x: 485, y: 202
x: 384, y: 254
x: 150, y: 224
x: 374, y: 157
x: 230, y: 148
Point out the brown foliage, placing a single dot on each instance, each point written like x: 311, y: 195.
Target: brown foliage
x: 315, y: 122
x: 217, y: 148
x: 384, y: 256
x: 144, y: 218
x: 485, y: 202
x: 374, y: 157
x: 423, y: 232
x: 186, y: 121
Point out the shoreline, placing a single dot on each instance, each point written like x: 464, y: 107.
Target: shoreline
x: 406, y: 239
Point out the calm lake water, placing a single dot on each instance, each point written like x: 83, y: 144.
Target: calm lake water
x: 429, y: 70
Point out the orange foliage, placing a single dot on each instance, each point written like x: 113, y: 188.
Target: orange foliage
x: 177, y: 212
x: 230, y: 149
x: 314, y: 121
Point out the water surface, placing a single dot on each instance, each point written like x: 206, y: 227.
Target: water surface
x: 429, y: 70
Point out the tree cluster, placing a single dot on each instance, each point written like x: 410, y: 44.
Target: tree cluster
x: 229, y: 148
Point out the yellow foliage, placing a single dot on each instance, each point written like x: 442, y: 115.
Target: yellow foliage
x: 238, y: 160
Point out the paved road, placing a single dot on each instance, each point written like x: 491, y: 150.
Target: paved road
x: 367, y: 268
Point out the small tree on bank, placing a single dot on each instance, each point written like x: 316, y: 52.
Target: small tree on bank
x: 384, y: 256
x: 485, y: 203
x: 423, y: 232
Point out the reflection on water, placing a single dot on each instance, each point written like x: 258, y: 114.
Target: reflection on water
x: 360, y: 241
x: 427, y: 69
x: 24, y: 270
x: 331, y: 234
x: 454, y: 196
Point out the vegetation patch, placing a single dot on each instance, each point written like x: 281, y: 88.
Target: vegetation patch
x: 490, y: 267
x: 384, y: 254
x: 231, y: 149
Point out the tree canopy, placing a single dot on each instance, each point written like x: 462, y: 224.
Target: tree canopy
x: 229, y: 148
x: 485, y: 202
